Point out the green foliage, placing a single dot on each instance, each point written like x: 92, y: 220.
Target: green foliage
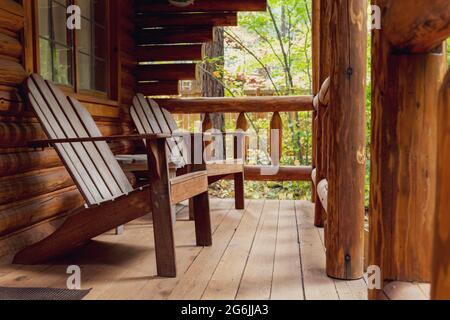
x: 270, y: 54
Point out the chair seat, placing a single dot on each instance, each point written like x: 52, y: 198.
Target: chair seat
x: 188, y: 185
x: 138, y: 162
x: 224, y: 167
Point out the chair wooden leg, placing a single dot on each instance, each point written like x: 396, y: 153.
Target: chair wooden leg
x: 202, y: 219
x: 161, y: 209
x: 191, y: 210
x: 239, y: 190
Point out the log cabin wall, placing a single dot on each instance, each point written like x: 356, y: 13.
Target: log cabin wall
x: 170, y: 39
x: 35, y: 189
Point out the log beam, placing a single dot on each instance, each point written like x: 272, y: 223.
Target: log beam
x: 158, y: 6
x: 422, y: 29
x: 238, y: 105
x: 187, y: 19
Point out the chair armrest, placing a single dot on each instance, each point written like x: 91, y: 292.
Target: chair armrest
x: 50, y: 142
x: 202, y: 134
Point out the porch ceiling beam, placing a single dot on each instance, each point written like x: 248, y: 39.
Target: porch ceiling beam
x: 176, y: 71
x: 190, y: 52
x: 159, y: 88
x: 175, y: 35
x: 425, y: 26
x: 202, y: 6
x: 187, y: 19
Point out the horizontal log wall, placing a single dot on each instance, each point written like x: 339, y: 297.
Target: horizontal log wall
x: 34, y: 186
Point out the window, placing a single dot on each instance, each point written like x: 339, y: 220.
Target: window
x: 55, y: 42
x: 76, y: 58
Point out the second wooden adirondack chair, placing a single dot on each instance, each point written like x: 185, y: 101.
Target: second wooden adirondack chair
x: 148, y: 117
x: 110, y: 199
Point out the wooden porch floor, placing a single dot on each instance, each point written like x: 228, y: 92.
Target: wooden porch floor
x: 270, y: 250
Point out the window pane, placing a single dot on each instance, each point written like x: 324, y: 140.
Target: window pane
x: 85, y: 37
x: 85, y: 68
x: 92, y: 46
x: 44, y: 27
x: 46, y: 61
x: 60, y: 30
x: 62, y: 65
x: 100, y: 75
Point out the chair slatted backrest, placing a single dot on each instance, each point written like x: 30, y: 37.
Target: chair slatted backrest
x: 149, y: 118
x: 92, y: 165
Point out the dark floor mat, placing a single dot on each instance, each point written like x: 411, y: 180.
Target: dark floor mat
x: 41, y: 294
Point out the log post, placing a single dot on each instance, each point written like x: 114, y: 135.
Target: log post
x: 242, y: 125
x: 440, y: 286
x: 207, y: 125
x: 316, y: 82
x: 276, y: 124
x: 405, y: 88
x: 324, y: 72
x: 345, y: 215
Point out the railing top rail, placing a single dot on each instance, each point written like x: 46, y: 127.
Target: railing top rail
x: 237, y: 105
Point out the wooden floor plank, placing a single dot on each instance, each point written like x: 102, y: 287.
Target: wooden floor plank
x: 256, y: 282
x: 351, y: 290
x: 402, y: 290
x: 225, y: 281
x: 187, y: 252
x: 270, y: 250
x: 317, y: 285
x: 193, y: 283
x: 287, y: 283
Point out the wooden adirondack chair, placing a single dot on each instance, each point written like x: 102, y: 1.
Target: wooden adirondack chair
x: 110, y: 199
x: 149, y: 118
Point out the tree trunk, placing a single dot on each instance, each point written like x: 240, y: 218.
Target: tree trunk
x: 210, y: 86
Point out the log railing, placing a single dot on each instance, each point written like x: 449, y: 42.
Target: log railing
x: 274, y: 105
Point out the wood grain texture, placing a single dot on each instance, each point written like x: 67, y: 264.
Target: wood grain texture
x: 187, y: 19
x: 345, y: 215
x: 425, y: 27
x: 321, y: 121
x: 85, y: 224
x: 174, y: 35
x: 202, y: 6
x: 184, y: 52
x: 18, y: 125
x: 238, y: 105
x: 403, y: 180
x: 176, y: 71
x: 440, y: 288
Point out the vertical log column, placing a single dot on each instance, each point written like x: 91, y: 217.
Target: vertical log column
x: 324, y: 72
x: 405, y: 88
x: 345, y: 217
x: 440, y: 288
x: 315, y: 84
